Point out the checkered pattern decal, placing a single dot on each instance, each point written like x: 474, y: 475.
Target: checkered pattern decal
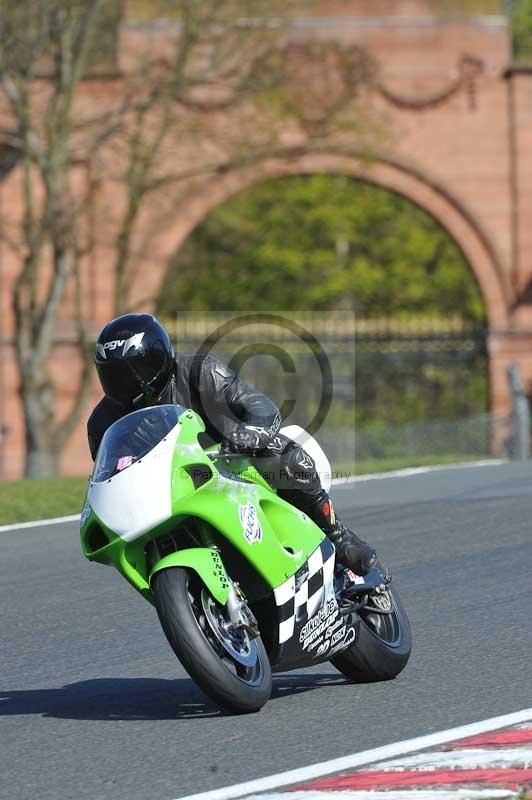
x: 299, y: 597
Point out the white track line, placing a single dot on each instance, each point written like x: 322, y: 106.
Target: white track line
x: 392, y: 794
x: 373, y: 476
x: 359, y: 759
x: 38, y: 523
x: 408, y: 471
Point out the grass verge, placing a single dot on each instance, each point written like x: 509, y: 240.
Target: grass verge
x: 40, y: 498
x: 44, y: 498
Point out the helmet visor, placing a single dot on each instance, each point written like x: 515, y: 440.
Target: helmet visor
x: 125, y: 378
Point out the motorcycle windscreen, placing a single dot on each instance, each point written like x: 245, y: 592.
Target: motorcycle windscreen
x: 130, y: 489
x: 132, y: 438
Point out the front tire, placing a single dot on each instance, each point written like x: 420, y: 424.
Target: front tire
x: 232, y: 669
x: 383, y: 647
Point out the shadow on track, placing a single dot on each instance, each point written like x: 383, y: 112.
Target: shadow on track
x: 140, y: 698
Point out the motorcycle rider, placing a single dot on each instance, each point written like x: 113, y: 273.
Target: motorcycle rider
x: 137, y: 367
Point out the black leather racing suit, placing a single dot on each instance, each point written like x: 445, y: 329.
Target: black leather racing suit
x: 224, y: 400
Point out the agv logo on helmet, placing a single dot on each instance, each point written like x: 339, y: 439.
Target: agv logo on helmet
x: 126, y: 344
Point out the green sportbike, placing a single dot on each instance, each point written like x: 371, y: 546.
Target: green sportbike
x: 244, y: 583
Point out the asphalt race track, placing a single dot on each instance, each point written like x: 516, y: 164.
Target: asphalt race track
x: 93, y: 704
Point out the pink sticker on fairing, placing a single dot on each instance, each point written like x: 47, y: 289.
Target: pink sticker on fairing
x: 124, y: 462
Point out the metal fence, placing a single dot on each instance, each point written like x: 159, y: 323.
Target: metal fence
x: 419, y: 367
x: 475, y: 437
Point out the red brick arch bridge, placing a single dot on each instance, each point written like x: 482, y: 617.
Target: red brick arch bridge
x: 461, y: 149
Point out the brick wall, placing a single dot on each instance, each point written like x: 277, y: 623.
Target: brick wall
x: 460, y: 145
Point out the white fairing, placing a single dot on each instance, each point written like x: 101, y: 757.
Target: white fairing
x: 139, y: 498
x: 308, y: 443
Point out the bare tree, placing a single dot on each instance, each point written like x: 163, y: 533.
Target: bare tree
x: 218, y: 67
x: 47, y: 47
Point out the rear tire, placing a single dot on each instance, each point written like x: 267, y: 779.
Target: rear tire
x: 180, y: 602
x: 382, y: 649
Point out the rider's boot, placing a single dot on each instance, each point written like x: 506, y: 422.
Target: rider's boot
x: 352, y: 551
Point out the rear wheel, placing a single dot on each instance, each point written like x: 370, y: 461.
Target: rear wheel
x: 384, y: 642
x: 232, y: 668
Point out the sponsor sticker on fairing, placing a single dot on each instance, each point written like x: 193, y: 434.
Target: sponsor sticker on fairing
x: 250, y: 523
x: 346, y: 642
x: 318, y: 624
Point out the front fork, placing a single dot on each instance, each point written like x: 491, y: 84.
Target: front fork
x: 238, y: 610
x: 206, y: 561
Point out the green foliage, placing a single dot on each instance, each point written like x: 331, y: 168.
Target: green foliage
x: 140, y: 10
x: 321, y: 243
x: 465, y: 8
x: 327, y: 244
x: 522, y: 30
x: 395, y: 392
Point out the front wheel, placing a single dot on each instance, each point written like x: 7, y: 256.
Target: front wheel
x: 384, y: 642
x: 231, y: 668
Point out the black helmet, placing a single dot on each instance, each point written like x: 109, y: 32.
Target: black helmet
x: 134, y: 358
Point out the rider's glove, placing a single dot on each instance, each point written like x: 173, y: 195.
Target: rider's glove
x: 248, y: 439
